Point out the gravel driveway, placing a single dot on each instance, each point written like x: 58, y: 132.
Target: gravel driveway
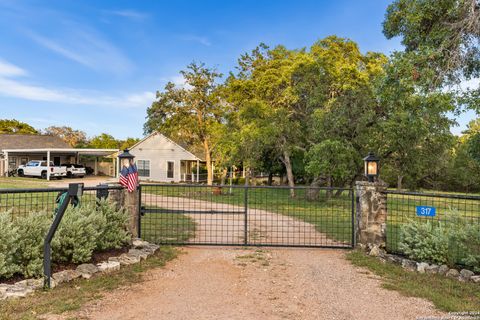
x: 231, y: 283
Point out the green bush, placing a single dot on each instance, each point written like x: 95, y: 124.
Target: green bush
x: 456, y: 241
x: 8, y: 246
x: 32, y: 230
x: 115, y: 234
x: 78, y: 234
x: 89, y: 227
x: 425, y: 241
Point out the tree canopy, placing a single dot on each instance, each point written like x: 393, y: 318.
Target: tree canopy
x: 15, y: 126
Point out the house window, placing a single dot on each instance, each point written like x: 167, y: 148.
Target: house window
x: 170, y: 169
x: 143, y: 167
x: 12, y: 162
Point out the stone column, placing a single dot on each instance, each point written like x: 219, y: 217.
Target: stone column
x: 129, y: 201
x: 371, y: 214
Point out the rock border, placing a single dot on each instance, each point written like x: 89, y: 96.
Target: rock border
x: 463, y: 275
x: 140, y: 250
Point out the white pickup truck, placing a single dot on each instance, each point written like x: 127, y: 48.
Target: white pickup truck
x: 38, y: 168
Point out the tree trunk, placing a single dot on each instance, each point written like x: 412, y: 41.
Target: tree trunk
x: 270, y: 178
x: 399, y: 182
x: 224, y: 176
x: 314, y: 191
x: 208, y: 160
x: 290, y: 177
x: 329, y: 185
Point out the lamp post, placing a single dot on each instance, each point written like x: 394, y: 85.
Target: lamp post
x: 125, y: 159
x: 371, y: 166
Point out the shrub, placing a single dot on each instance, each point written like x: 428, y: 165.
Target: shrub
x: 78, y: 234
x: 83, y: 229
x: 425, y: 241
x: 115, y: 234
x: 456, y: 241
x: 32, y: 230
x: 8, y: 246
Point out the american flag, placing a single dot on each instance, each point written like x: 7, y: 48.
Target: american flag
x: 129, y: 177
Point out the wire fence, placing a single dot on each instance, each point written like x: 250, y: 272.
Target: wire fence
x: 20, y: 202
x: 442, y: 211
x: 247, y: 215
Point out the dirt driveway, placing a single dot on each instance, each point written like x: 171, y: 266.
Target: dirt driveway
x: 231, y: 283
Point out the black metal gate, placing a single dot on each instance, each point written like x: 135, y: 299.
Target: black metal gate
x: 247, y: 215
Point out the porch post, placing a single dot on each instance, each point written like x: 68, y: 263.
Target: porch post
x: 6, y: 163
x: 192, y: 176
x: 198, y: 170
x: 117, y: 169
x: 113, y: 168
x: 48, y: 165
x: 96, y: 167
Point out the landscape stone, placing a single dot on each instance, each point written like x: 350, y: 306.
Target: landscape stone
x: 433, y: 268
x: 453, y: 273
x: 108, y: 266
x: 31, y: 283
x: 466, y: 275
x: 421, y: 266
x: 475, y: 279
x: 18, y: 292
x: 409, y: 265
x: 443, y: 269
x: 87, y: 270
x: 139, y: 243
x: 375, y: 251
x: 66, y: 276
x: 128, y: 259
x: 141, y: 254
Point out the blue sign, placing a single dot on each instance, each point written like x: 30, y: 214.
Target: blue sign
x: 424, y: 211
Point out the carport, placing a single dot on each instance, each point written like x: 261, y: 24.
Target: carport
x: 51, y: 153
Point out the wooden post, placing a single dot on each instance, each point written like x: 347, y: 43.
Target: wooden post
x: 198, y: 171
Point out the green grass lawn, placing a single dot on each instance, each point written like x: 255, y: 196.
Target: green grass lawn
x: 164, y: 228
x: 445, y: 293
x: 331, y: 216
x: 21, y: 182
x: 73, y: 295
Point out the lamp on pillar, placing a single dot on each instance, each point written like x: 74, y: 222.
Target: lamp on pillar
x: 371, y: 166
x: 125, y: 159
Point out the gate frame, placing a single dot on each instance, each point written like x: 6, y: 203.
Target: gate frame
x: 142, y: 210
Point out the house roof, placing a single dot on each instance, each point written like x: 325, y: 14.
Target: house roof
x: 30, y: 141
x: 187, y: 148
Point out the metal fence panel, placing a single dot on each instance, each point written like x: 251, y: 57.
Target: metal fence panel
x: 21, y: 202
x: 402, y: 208
x: 253, y: 215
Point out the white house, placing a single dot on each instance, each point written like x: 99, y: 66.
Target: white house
x: 161, y: 159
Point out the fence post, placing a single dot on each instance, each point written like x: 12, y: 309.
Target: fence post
x: 245, y: 221
x: 371, y: 214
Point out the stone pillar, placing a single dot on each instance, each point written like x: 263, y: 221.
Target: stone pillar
x: 129, y: 201
x: 371, y: 214
x: 131, y: 205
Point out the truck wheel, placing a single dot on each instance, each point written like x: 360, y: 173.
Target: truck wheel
x: 69, y: 174
x: 44, y: 175
x: 20, y: 173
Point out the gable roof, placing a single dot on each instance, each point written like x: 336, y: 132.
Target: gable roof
x: 181, y: 146
x: 30, y: 141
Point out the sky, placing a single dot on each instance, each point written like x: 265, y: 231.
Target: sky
x: 96, y: 65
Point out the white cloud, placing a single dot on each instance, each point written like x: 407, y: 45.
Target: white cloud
x: 202, y: 40
x: 86, y: 48
x: 130, y: 14
x: 12, y: 87
x: 8, y: 69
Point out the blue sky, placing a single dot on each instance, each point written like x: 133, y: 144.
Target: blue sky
x: 95, y: 65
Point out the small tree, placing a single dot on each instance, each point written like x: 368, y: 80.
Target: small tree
x: 73, y: 137
x: 192, y: 113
